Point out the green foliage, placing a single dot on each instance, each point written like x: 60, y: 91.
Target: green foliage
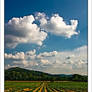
x: 20, y: 74
x: 60, y: 86
x: 16, y: 86
x: 75, y: 86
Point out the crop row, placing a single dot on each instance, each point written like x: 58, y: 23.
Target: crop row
x: 12, y: 86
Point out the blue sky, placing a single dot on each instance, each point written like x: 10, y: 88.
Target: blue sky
x: 67, y: 9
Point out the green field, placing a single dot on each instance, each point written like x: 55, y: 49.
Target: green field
x: 27, y: 86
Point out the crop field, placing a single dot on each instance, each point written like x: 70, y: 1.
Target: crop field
x: 61, y: 86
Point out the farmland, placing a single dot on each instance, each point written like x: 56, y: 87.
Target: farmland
x: 45, y: 86
x: 23, y: 80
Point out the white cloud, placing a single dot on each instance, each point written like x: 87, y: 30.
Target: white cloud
x: 47, y: 54
x: 44, y: 61
x: 26, y: 30
x: 42, y: 18
x: 57, y: 26
x: 31, y: 52
x: 21, y: 59
x: 19, y: 55
x: 23, y: 30
x: 74, y: 61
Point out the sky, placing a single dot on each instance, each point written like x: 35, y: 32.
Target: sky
x: 47, y: 35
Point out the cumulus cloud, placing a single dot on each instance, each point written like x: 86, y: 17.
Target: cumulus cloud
x: 27, y: 30
x: 57, y: 26
x: 67, y: 62
x: 44, y: 61
x: 47, y: 54
x: 42, y: 18
x: 21, y: 59
x: 23, y: 30
x: 19, y: 55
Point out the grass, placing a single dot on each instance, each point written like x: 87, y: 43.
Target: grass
x: 20, y: 85
x: 76, y: 86
x: 27, y: 86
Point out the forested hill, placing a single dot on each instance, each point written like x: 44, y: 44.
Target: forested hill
x: 21, y: 74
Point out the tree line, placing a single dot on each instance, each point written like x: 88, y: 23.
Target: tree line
x: 20, y: 74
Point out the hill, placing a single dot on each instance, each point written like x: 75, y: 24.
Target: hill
x: 21, y: 74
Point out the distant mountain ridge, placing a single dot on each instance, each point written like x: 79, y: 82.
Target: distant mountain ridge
x: 21, y: 74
